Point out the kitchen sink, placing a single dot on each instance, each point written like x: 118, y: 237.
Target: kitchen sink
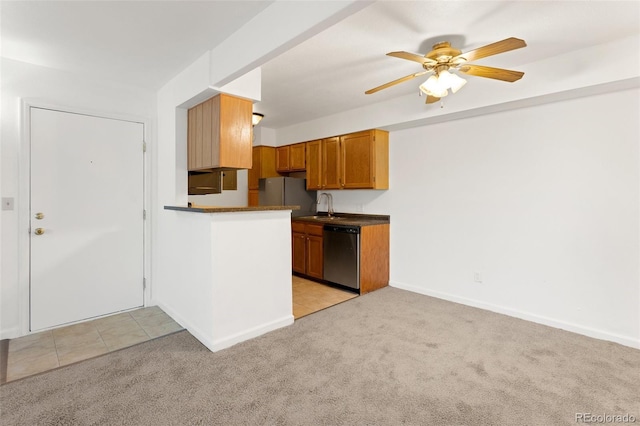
x: 327, y: 218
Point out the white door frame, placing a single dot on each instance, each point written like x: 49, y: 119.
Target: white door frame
x: 24, y: 199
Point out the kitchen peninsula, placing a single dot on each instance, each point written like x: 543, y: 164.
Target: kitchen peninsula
x: 237, y: 284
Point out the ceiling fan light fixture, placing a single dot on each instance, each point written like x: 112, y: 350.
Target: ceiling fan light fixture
x: 456, y: 82
x: 433, y: 87
x: 444, y: 58
x: 444, y: 79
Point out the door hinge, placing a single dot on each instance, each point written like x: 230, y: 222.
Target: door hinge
x: 144, y: 146
x: 144, y: 214
x: 144, y: 283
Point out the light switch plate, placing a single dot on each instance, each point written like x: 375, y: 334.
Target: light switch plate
x: 7, y: 203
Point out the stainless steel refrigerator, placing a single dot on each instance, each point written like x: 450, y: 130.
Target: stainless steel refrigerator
x: 287, y: 191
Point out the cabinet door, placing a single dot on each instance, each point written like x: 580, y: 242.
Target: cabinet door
x: 314, y: 165
x: 230, y: 180
x: 195, y: 147
x: 206, y: 151
x: 282, y: 159
x: 191, y: 139
x: 298, y: 250
x: 357, y: 156
x: 205, y: 183
x: 254, y: 172
x: 315, y: 263
x: 267, y: 162
x: 232, y: 144
x: 297, y: 157
x: 331, y: 163
x: 254, y: 198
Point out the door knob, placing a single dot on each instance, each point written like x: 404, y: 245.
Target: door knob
x: 39, y: 231
x: 39, y: 216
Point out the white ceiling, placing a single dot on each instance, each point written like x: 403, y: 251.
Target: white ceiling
x: 139, y: 43
x: 146, y: 43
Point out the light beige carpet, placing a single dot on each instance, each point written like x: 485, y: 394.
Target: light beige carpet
x: 387, y: 358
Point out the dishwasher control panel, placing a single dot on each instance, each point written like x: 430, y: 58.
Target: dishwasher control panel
x: 349, y: 229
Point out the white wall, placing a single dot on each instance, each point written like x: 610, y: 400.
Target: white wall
x: 45, y: 85
x: 543, y: 202
x: 215, y: 296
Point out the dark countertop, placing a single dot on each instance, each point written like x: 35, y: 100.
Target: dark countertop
x: 211, y: 209
x: 346, y: 219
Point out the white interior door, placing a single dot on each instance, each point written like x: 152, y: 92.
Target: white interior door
x: 86, y: 217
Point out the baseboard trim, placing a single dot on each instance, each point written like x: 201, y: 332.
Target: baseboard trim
x: 10, y: 333
x: 215, y: 345
x: 251, y: 333
x: 563, y: 325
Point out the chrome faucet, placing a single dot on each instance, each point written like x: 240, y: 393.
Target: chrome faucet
x: 329, y: 203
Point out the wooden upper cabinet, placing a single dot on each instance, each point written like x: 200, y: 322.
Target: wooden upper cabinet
x: 297, y: 157
x: 291, y: 158
x: 331, y: 163
x: 282, y: 158
x: 314, y: 164
x: 264, y: 165
x: 353, y: 161
x: 220, y: 134
x: 365, y: 160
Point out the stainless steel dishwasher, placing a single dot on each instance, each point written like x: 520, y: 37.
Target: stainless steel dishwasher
x: 342, y: 255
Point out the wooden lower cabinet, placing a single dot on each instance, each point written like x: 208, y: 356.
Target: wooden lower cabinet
x: 308, y: 256
x: 315, y: 260
x: 299, y: 252
x: 374, y: 257
x: 306, y: 248
x: 313, y: 153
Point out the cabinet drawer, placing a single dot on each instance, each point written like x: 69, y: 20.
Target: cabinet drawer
x: 297, y: 227
x: 314, y: 229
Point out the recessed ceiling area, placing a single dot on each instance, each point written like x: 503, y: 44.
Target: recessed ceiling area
x: 146, y: 43
x: 330, y: 72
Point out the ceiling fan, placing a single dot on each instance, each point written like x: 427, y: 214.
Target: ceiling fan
x: 443, y: 58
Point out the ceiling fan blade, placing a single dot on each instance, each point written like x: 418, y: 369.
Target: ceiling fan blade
x: 490, y: 72
x: 431, y: 99
x: 394, y: 82
x: 490, y: 49
x: 412, y: 57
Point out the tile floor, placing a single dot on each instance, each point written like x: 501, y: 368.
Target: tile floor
x: 50, y: 349
x: 310, y: 296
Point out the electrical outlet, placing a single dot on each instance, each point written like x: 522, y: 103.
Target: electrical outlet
x: 7, y: 203
x: 477, y: 277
